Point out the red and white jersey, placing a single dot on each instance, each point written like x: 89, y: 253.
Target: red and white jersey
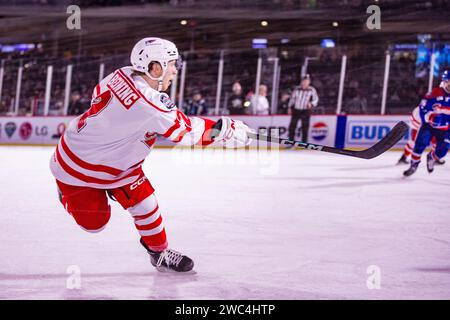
x: 106, y: 146
x: 415, y: 120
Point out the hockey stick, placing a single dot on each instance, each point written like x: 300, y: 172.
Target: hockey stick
x: 397, y: 132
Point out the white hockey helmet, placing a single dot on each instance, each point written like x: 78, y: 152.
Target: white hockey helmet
x: 153, y: 49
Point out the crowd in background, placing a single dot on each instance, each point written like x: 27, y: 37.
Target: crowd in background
x: 362, y: 92
x: 260, y: 4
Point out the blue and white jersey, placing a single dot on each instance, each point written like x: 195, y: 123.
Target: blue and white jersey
x: 435, y: 109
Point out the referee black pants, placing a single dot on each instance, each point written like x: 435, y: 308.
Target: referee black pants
x: 304, y: 116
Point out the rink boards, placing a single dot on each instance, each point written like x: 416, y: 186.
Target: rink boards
x: 349, y: 131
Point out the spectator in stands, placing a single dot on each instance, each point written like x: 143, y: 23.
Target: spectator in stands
x: 3, y: 107
x: 75, y: 106
x: 357, y: 104
x: 236, y: 100
x: 197, y: 105
x: 303, y: 99
x: 259, y: 101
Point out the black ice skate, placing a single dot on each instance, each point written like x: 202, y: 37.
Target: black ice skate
x: 439, y: 162
x: 169, y: 260
x: 411, y: 169
x: 430, y: 163
x: 403, y: 160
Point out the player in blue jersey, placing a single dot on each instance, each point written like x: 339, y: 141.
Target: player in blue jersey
x: 435, y: 115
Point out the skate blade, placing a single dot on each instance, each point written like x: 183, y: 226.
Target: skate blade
x: 170, y: 271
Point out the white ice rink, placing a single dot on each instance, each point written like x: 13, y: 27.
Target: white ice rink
x: 306, y: 225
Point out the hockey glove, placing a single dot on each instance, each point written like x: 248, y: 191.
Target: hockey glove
x: 231, y: 133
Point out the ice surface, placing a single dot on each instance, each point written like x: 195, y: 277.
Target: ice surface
x: 307, y: 226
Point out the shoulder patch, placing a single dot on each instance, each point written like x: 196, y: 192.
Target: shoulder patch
x: 165, y: 100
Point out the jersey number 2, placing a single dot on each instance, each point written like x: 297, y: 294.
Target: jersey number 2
x: 98, y: 104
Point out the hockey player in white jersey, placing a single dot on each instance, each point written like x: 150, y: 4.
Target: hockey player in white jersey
x: 102, y: 151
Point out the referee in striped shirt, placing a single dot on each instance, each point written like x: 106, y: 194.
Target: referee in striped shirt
x: 303, y: 99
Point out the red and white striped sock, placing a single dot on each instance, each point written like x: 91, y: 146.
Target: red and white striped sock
x: 408, y: 149
x: 415, y: 157
x: 149, y: 223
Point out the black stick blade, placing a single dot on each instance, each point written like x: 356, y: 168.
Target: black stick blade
x: 394, y: 136
x: 389, y: 140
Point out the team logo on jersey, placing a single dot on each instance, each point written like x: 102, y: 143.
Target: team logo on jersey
x: 165, y: 100
x: 123, y: 90
x: 10, y: 128
x: 319, y: 131
x: 25, y: 130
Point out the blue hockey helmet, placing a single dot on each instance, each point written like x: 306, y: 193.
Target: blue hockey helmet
x: 446, y: 76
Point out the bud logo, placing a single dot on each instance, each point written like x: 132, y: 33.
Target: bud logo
x: 25, y: 130
x: 319, y: 131
x: 370, y: 131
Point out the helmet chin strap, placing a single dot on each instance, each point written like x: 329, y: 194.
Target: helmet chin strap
x: 160, y: 80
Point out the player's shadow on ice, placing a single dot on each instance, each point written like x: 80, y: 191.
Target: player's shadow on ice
x: 38, y: 276
x: 359, y: 184
x: 97, y: 286
x: 435, y: 269
x: 431, y: 180
x: 152, y: 274
x: 365, y: 168
x: 313, y: 178
x: 351, y: 182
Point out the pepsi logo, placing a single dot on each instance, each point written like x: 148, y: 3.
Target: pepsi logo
x: 319, y: 131
x: 25, y: 130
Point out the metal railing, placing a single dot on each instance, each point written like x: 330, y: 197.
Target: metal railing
x: 346, y: 84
